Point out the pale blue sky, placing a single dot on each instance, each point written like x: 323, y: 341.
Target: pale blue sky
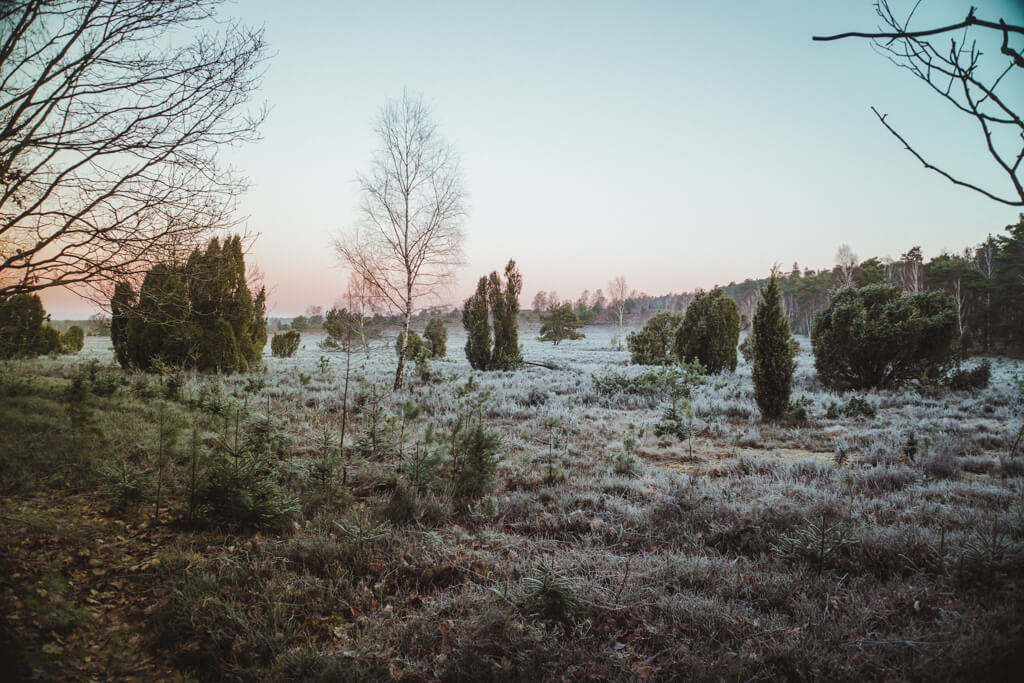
x: 680, y: 144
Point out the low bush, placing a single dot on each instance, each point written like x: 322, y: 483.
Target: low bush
x: 879, y: 336
x: 941, y: 462
x: 286, y: 344
x: 961, y: 379
x: 72, y: 340
x: 855, y: 406
x: 652, y: 344
x: 651, y: 383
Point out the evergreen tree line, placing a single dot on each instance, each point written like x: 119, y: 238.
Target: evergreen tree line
x: 983, y: 281
x: 198, y: 315
x: 876, y: 336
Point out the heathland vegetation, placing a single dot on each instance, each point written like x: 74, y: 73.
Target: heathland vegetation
x: 817, y: 475
x: 305, y: 519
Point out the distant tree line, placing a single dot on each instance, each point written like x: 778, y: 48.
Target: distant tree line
x: 984, y: 282
x: 200, y: 314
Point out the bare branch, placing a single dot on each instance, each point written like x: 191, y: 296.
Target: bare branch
x: 108, y: 143
x: 955, y: 76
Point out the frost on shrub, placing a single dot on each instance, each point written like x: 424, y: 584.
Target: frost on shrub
x: 961, y: 379
x: 654, y: 384
x: 855, y: 406
x: 473, y: 453
x: 941, y: 462
x: 879, y: 336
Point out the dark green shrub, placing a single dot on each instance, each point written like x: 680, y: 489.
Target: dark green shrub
x: 285, y: 345
x: 710, y: 332
x: 240, y: 489
x: 478, y: 331
x: 879, y: 336
x: 746, y: 348
x: 73, y: 339
x: 492, y: 303
x: 436, y: 335
x: 199, y: 315
x: 773, y: 359
x: 855, y: 406
x: 416, y: 347
x: 121, y: 305
x: 48, y: 341
x: 473, y: 453
x: 652, y: 344
x: 377, y: 437
x: 504, y: 305
x: 21, y: 325
x: 560, y: 323
x: 218, y: 350
x: 960, y: 379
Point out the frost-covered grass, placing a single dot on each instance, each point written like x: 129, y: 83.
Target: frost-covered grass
x: 826, y: 548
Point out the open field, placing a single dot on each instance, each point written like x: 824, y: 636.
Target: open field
x: 835, y: 547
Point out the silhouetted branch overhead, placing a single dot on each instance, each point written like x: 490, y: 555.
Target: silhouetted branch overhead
x: 112, y: 113
x: 992, y: 100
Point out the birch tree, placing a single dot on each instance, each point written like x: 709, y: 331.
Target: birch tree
x: 408, y: 239
x: 620, y: 294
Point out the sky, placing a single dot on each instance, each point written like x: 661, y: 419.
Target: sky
x: 679, y: 144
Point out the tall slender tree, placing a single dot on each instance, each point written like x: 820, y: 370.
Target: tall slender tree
x: 478, y: 331
x: 504, y: 303
x: 409, y: 238
x: 773, y: 361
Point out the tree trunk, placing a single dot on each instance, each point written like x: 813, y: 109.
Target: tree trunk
x: 405, y: 337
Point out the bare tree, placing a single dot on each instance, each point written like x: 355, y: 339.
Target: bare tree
x: 619, y: 294
x: 111, y: 116
x: 846, y: 264
x: 954, y: 71
x: 409, y: 238
x: 906, y: 272
x: 362, y: 302
x: 540, y: 302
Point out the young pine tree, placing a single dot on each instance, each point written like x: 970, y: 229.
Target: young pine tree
x: 773, y: 360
